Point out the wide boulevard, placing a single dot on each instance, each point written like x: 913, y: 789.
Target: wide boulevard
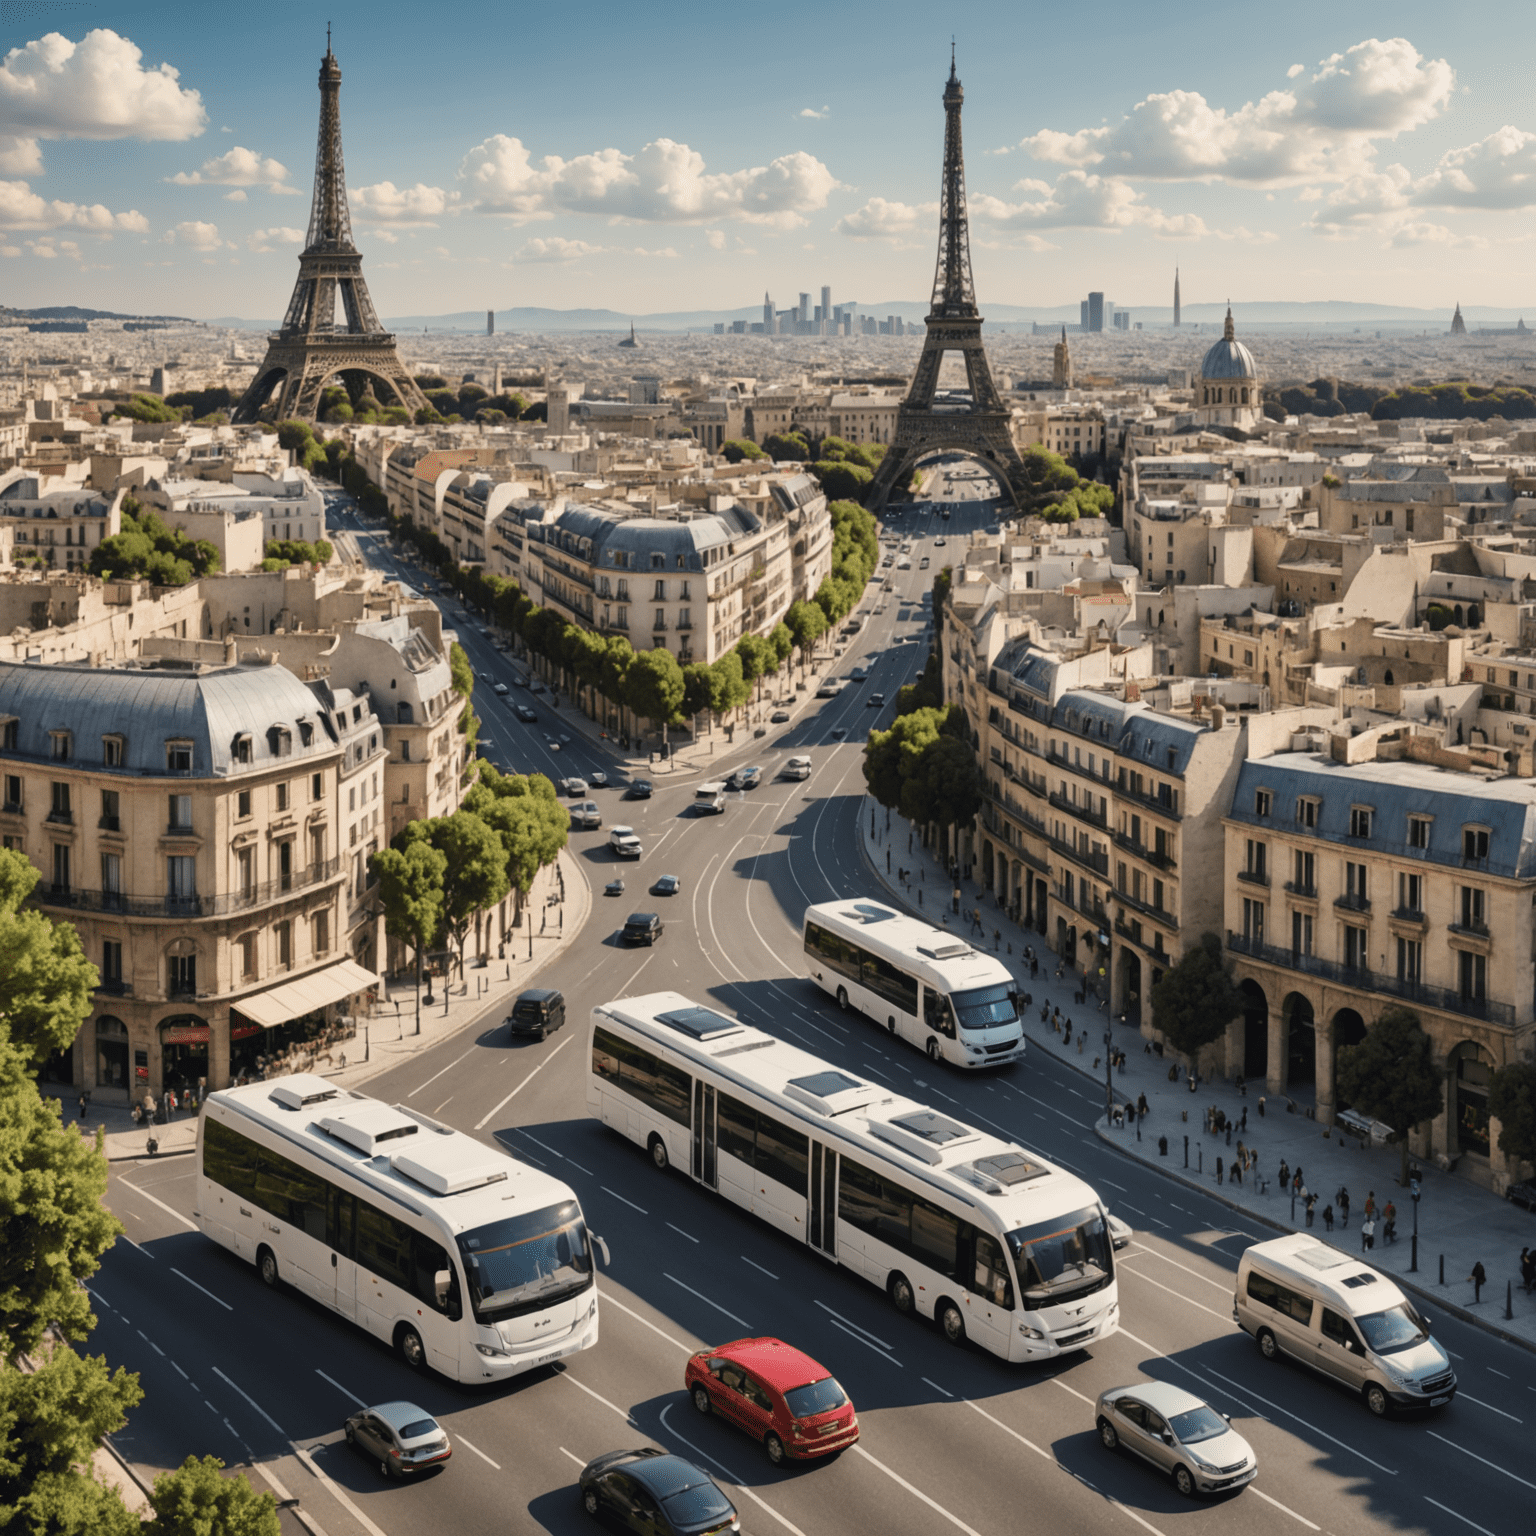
x: 953, y: 1439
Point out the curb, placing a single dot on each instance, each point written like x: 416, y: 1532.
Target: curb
x: 144, y: 1157
x: 1101, y: 1130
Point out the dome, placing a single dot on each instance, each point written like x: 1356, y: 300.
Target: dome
x: 1229, y: 358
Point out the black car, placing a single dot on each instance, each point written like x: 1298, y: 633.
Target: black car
x: 779, y: 717
x: 651, y: 1491
x: 399, y: 1438
x: 537, y: 1012
x: 642, y: 928
x: 874, y: 701
x: 526, y: 714
x: 640, y: 789
x: 668, y: 885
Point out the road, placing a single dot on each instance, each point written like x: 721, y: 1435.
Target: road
x: 953, y: 1440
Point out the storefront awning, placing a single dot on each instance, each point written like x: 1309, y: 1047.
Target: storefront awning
x: 294, y: 999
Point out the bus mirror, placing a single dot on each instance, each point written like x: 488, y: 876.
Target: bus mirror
x: 602, y: 1249
x: 440, y: 1284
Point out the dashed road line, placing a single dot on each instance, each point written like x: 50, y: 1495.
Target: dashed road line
x: 707, y: 1300
x: 204, y: 1289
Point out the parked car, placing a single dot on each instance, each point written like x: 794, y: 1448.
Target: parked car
x: 649, y: 1491
x: 777, y: 1394
x: 1178, y: 1434
x: 598, y: 779
x: 539, y: 1012
x: 400, y: 1438
x: 642, y: 928
x: 576, y: 788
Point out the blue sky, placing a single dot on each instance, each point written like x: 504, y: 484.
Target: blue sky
x: 158, y: 157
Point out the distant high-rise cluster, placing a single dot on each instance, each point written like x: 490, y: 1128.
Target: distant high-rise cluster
x: 1098, y: 314
x: 806, y: 319
x: 1176, y: 320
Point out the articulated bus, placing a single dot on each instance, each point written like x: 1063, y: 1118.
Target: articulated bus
x: 393, y: 1220
x: 923, y: 984
x: 991, y: 1241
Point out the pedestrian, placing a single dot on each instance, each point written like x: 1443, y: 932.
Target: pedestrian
x: 1141, y: 1104
x: 1370, y: 1204
x: 1527, y: 1270
x: 1311, y: 1204
x: 1328, y: 1217
x: 82, y: 1106
x: 1034, y: 967
x: 1229, y: 1133
x: 1261, y: 1106
x: 1342, y: 1199
x: 1367, y: 1234
x: 1219, y: 1171
x: 170, y: 1103
x: 1388, y: 1219
x: 136, y: 1114
x: 1237, y: 1171
x: 997, y: 939
x: 1285, y: 1173
x: 1479, y: 1278
x: 1242, y: 1124
x: 1296, y: 1184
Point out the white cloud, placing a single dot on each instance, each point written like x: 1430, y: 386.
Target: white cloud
x: 10, y: 250
x: 270, y: 239
x: 1412, y: 232
x: 385, y: 203
x: 555, y: 249
x: 22, y: 208
x: 1081, y: 201
x: 20, y: 157
x: 715, y: 238
x: 880, y: 219
x: 665, y: 182
x: 237, y: 168
x: 1322, y: 128
x: 97, y: 88
x: 1498, y: 172
x: 197, y: 234
x: 50, y: 249
x: 237, y: 196
x: 812, y: 112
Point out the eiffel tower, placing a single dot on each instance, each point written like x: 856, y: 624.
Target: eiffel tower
x: 310, y: 348
x: 954, y: 325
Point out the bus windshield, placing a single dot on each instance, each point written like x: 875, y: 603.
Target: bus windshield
x: 986, y: 1007
x: 1063, y: 1258
x: 524, y: 1263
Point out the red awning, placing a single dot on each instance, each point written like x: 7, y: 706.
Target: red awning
x: 185, y: 1034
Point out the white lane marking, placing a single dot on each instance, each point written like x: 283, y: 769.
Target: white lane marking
x: 1159, y: 1222
x: 148, y: 1255
x: 1467, y: 1396
x: 689, y: 1235
x: 184, y: 1375
x: 574, y: 1457
x: 345, y: 1391
x: 480, y: 1125
x: 608, y: 1301
x: 233, y: 1431
x: 1287, y: 1509
x: 191, y: 1226
x: 928, y: 1381
x: 606, y: 1402
x: 577, y: 1166
x: 772, y: 1276
x: 204, y: 1289
x: 535, y: 1140
x: 1497, y: 1373
x: 441, y: 1107
x: 449, y: 1068
x: 873, y: 1348
x: 763, y: 1504
x: 1475, y: 1457
x: 1122, y: 1265
x: 1073, y: 1390
x: 309, y: 1522
x: 1438, y: 1505
x: 1125, y: 1205
x: 478, y: 1452
x: 917, y: 1493
x: 338, y: 1492
x: 252, y: 1401
x: 705, y: 1299
x: 865, y: 1331
x: 1221, y: 1285
x: 630, y: 1203
x: 1113, y: 1185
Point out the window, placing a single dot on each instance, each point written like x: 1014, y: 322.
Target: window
x: 112, y: 751
x: 1301, y: 933
x: 242, y: 805
x: 282, y: 797
x: 1474, y: 913
x: 245, y: 871
x: 111, y: 875
x: 1253, y: 921
x: 316, y: 785
x: 1359, y: 821
x: 63, y: 745
x: 1474, y: 844
x: 660, y: 595
x: 247, y: 946
x: 1306, y: 872
x: 180, y: 813
x: 112, y: 962
x: 1355, y: 955
x: 181, y: 975
x: 661, y: 619
x: 320, y: 925
x: 13, y: 801
x: 1354, y: 883
x: 284, y: 933
x: 1261, y: 802
x: 1418, y: 831
x: 1306, y: 811
x: 1410, y: 895
x: 60, y: 803
x: 181, y: 878
x: 9, y: 734
x: 1410, y: 960
x: 281, y: 740
x: 243, y: 748
x: 644, y: 1076
x: 178, y: 757
x: 60, y: 868
x: 1281, y: 1298
x: 1473, y: 976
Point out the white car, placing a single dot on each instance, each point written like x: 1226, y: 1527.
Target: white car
x: 830, y: 689
x: 797, y: 768
x: 500, y: 690
x: 624, y: 842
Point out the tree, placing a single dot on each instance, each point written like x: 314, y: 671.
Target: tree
x: 944, y: 785
x: 1196, y: 999
x: 475, y: 869
x: 782, y: 641
x: 197, y: 1500
x: 1391, y: 1075
x: 890, y: 756
x: 526, y: 813
x: 730, y: 688
x: 145, y: 546
x: 411, y: 890
x: 841, y: 479
x: 698, y: 688
x: 45, y: 980
x: 653, y: 688
x: 787, y: 446
x: 806, y: 624
x: 758, y: 658
x: 739, y: 448
x: 1512, y: 1102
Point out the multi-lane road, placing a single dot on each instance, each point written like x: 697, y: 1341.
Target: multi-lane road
x: 953, y: 1440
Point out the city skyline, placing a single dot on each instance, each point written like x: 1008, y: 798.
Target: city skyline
x: 141, y: 170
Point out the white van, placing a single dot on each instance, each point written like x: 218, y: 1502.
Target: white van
x: 797, y: 768
x: 709, y: 799
x: 1299, y: 1297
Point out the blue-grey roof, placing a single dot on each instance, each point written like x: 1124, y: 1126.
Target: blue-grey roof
x: 149, y: 706
x: 1229, y: 360
x: 1135, y: 732
x: 1395, y: 791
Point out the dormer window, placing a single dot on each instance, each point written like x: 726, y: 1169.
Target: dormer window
x: 63, y: 745
x: 1418, y: 831
x: 243, y: 748
x: 281, y: 740
x: 1261, y: 802
x: 658, y: 562
x: 178, y: 757
x: 306, y: 732
x: 10, y: 733
x: 1474, y: 844
x: 1359, y: 821
x: 1306, y: 811
x: 112, y: 751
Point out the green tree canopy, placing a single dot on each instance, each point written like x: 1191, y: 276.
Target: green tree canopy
x: 411, y: 891
x: 45, y: 980
x: 891, y: 756
x: 806, y: 624
x: 730, y: 688
x: 782, y: 641
x: 739, y: 448
x: 653, y: 687
x: 787, y: 447
x: 197, y: 1500
x: 1391, y: 1075
x: 147, y: 547
x: 1195, y: 999
x: 698, y: 688
x: 1512, y: 1102
x: 943, y: 785
x: 842, y: 479
x: 149, y: 408
x: 527, y: 815
x: 475, y: 868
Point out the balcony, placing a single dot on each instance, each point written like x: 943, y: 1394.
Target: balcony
x: 1469, y: 930
x: 81, y: 900
x: 61, y: 818
x: 1253, y: 876
x: 176, y: 829
x: 1410, y: 915
x: 12, y: 808
x: 109, y: 824
x: 1410, y: 991
x: 1082, y: 812
x: 1168, y: 807
x: 1352, y: 903
x: 1302, y: 888
x: 115, y: 986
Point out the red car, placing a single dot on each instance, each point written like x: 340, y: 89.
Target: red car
x: 777, y: 1394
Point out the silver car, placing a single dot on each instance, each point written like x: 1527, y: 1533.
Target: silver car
x: 1179, y: 1434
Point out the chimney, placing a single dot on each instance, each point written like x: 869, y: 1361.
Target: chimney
x: 1218, y: 716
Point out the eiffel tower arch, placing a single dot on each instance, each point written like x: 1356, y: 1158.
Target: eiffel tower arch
x: 310, y: 348
x: 924, y: 424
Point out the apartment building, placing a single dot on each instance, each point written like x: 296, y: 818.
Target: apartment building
x: 1385, y: 869
x: 59, y: 521
x: 188, y: 818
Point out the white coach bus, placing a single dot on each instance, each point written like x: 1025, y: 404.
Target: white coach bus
x: 392, y: 1220
x: 927, y: 986
x: 992, y: 1242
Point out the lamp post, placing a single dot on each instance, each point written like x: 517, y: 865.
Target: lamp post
x: 1413, y: 1194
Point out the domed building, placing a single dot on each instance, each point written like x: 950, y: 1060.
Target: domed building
x: 1228, y: 392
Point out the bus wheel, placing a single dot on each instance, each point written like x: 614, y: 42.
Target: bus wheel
x: 266, y: 1267
x: 408, y: 1342
x: 900, y: 1289
x: 659, y: 1154
x: 933, y: 1047
x: 952, y: 1322
x: 842, y: 998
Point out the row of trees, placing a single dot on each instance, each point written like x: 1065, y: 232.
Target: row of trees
x: 57, y: 1402
x: 147, y: 547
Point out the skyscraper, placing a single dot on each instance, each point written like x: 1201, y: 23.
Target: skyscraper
x: 828, y: 327
x: 769, y: 327
x: 804, y: 315
x: 1175, y: 295
x: 490, y: 322
x: 1095, y: 311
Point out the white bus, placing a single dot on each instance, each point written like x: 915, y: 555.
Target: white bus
x: 392, y: 1220
x: 992, y: 1242
x: 924, y: 985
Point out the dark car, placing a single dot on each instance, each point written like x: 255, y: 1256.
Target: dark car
x: 668, y: 885
x: 524, y: 713
x: 779, y: 717
x: 642, y: 928
x: 614, y: 887
x: 640, y: 789
x: 538, y: 1012
x: 874, y: 701
x: 400, y: 1438
x: 745, y: 778
x: 648, y: 1490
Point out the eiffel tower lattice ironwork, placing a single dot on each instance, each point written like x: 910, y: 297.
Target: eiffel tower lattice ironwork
x: 311, y: 348
x: 924, y: 424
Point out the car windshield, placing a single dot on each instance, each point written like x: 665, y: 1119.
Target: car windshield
x: 984, y: 1007
x: 524, y: 1263
x: 693, y: 1506
x: 1395, y: 1329
x: 417, y: 1428
x: 1198, y: 1424
x: 1062, y: 1259
x: 817, y: 1397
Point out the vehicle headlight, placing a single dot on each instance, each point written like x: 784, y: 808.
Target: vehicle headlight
x: 1030, y: 1333
x: 491, y: 1352
x: 1397, y: 1377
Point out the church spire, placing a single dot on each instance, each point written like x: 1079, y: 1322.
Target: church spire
x: 1176, y: 296
x: 1229, y: 331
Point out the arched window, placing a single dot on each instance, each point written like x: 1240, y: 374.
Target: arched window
x: 1387, y: 677
x: 181, y: 968
x: 1245, y: 394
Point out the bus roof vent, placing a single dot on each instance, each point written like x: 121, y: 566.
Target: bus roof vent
x: 1319, y: 1256
x: 302, y: 1088
x: 700, y: 1023
x: 923, y: 1133
x: 831, y: 1092
x: 868, y: 912
x: 368, y: 1126
x: 945, y: 949
x: 1005, y: 1171
x: 450, y: 1167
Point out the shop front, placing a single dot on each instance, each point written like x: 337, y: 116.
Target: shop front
x: 297, y: 1025
x: 112, y: 1056
x: 184, y: 1043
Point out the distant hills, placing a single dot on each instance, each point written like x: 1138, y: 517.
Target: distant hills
x: 74, y: 312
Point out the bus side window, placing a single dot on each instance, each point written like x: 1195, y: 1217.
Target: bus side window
x: 992, y: 1278
x: 338, y: 1227
x: 937, y: 1014
x: 427, y: 1260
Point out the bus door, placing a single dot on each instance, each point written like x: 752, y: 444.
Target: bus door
x: 341, y: 1215
x: 823, y: 1223
x: 704, y: 1134
x: 938, y: 1018
x: 987, y: 1298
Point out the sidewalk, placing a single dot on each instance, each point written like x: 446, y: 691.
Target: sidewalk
x: 389, y: 1036
x: 1459, y: 1223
